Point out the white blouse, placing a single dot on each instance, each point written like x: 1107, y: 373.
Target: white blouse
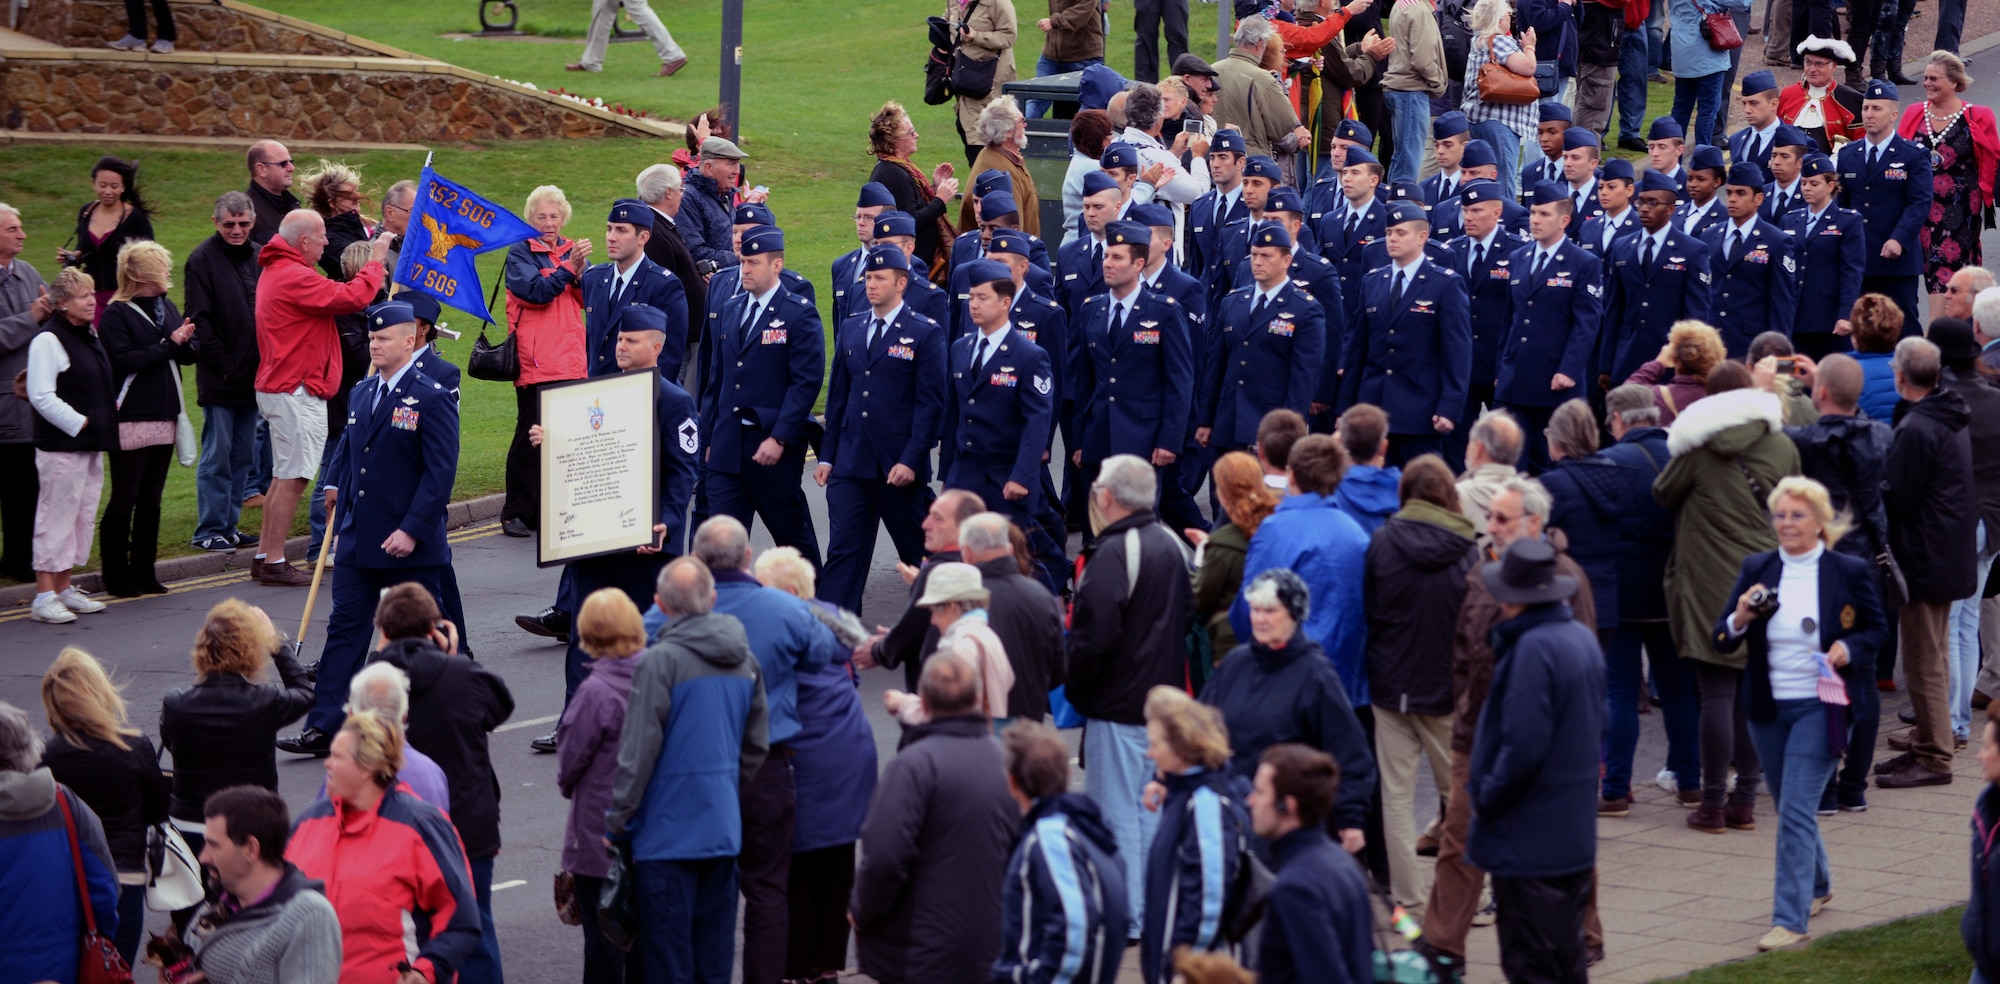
x: 1794, y: 651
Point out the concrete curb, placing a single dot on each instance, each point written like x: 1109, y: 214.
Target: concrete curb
x: 457, y: 515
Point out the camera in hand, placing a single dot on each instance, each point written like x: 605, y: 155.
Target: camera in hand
x: 1763, y: 602
x: 706, y: 267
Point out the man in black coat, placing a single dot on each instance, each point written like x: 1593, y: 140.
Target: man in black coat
x: 926, y: 902
x: 221, y: 283
x: 912, y: 639
x: 454, y: 704
x: 1933, y: 528
x: 1022, y: 612
x: 1959, y: 352
x: 660, y: 187
x: 270, y: 189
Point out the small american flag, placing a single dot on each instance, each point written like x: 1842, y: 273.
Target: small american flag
x: 1831, y: 689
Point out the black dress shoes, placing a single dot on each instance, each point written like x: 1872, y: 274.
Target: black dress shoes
x: 311, y: 741
x: 550, y: 623
x: 546, y: 743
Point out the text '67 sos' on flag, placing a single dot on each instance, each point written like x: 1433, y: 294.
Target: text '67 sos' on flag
x: 449, y: 226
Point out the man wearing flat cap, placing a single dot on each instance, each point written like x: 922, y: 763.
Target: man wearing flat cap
x: 1817, y: 103
x: 1887, y: 178
x: 766, y: 363
x: 1556, y: 307
x: 1411, y: 348
x: 1534, y: 766
x: 1755, y: 289
x: 630, y: 277
x: 387, y: 485
x: 705, y: 206
x: 1753, y: 142
x: 1654, y: 278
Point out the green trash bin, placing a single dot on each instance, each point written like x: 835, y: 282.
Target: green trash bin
x: 1047, y: 153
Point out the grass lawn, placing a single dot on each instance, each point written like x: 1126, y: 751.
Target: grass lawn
x: 813, y: 73
x: 1920, y: 950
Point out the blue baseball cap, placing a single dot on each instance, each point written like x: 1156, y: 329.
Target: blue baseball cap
x: 1747, y: 174
x: 895, y: 223
x: 1617, y: 168
x: 995, y: 204
x: 1481, y: 190
x: 1284, y: 198
x: 1878, y: 89
x: 1125, y: 232
x: 424, y: 306
x: 1658, y: 181
x: 1120, y: 155
x: 763, y: 239
x: 1401, y: 212
x: 1356, y: 131
x: 1551, y: 112
x: 1153, y: 215
x: 1707, y: 157
x: 991, y: 180
x: 1577, y: 136
x: 1098, y: 182
x: 390, y: 313
x: 1259, y: 166
x: 1759, y: 81
x: 1271, y: 234
x: 875, y: 193
x: 986, y: 272
x: 1226, y: 141
x: 888, y: 258
x: 640, y: 317
x: 1478, y: 153
x: 1010, y: 241
x: 752, y: 213
x: 1816, y: 164
x: 1360, y: 155
x: 1450, y: 124
x: 1665, y: 128
x: 632, y: 212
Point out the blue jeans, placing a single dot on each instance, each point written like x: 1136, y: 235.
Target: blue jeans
x: 1656, y: 38
x: 1044, y: 65
x: 1963, y: 633
x: 687, y: 920
x: 228, y: 455
x: 1797, y: 763
x: 1631, y: 91
x: 1506, y: 152
x: 1680, y: 706
x: 259, y: 478
x: 1700, y: 98
x: 483, y: 966
x: 1115, y: 774
x: 1410, y: 129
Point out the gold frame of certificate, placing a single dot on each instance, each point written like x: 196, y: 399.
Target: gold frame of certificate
x: 600, y: 466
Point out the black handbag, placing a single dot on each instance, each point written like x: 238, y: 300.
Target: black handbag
x: 617, y: 903
x: 495, y: 363
x: 1548, y: 78
x: 971, y: 78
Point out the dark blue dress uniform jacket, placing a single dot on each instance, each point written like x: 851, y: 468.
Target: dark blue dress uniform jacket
x: 1346, y: 251
x: 1490, y: 290
x: 1413, y: 360
x: 1042, y: 321
x: 1134, y: 389
x: 1592, y: 236
x: 1204, y: 234
x: 678, y: 423
x: 767, y: 373
x: 394, y: 467
x: 1448, y: 219
x: 1254, y: 368
x: 1832, y: 257
x: 1554, y: 328
x: 1893, y: 197
x: 1592, y: 209
x: 964, y: 250
x: 885, y: 403
x: 651, y: 284
x: 998, y: 424
x: 1319, y: 278
x: 1758, y: 290
x: 1776, y: 205
x: 1640, y: 306
x: 1717, y: 214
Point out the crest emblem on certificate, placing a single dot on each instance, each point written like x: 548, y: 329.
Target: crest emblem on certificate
x: 596, y: 412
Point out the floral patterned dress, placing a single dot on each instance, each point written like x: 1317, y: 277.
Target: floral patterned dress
x: 1950, y: 239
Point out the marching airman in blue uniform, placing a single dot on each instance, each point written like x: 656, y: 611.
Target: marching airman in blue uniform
x: 1557, y: 302
x: 1449, y: 135
x: 1616, y: 218
x: 1657, y: 277
x: 1752, y: 143
x: 1348, y: 230
x: 428, y: 361
x: 728, y: 282
x: 971, y: 244
x: 764, y: 376
x: 996, y: 211
x: 1134, y: 370
x: 1221, y: 205
x: 1484, y: 256
x: 1666, y: 143
x: 387, y: 485
x: 1260, y: 175
x: 630, y: 277
x: 849, y: 295
x: 1269, y: 346
x: 1478, y: 164
x: 885, y: 404
x: 1553, y: 120
x: 1375, y: 255
x: 1830, y: 247
x: 1701, y: 209
x: 1319, y: 279
x: 1581, y: 156
x: 1887, y: 178
x: 1755, y: 290
x: 1788, y: 150
x: 1161, y: 277
x: 996, y: 429
x: 893, y: 228
x: 1038, y: 319
x: 1326, y: 195
x: 1411, y: 350
x: 1080, y: 262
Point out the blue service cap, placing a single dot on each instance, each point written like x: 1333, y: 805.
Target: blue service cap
x: 1658, y: 181
x: 888, y: 258
x: 1618, y: 168
x: 1010, y: 241
x: 1450, y: 124
x: 875, y: 193
x: 1478, y: 153
x: 424, y: 306
x: 1665, y: 128
x: 1226, y: 141
x: 1120, y: 155
x: 390, y: 313
x: 991, y: 180
x: 1550, y: 191
x: 1550, y: 112
x: 895, y: 223
x: 1271, y: 234
x: 1259, y: 166
x: 752, y: 213
x: 1791, y: 136
x: 1098, y: 84
x: 1153, y: 215
x: 1356, y: 131
x: 1481, y: 190
x: 1360, y: 155
x: 995, y: 204
x: 640, y: 317
x: 1406, y: 191
x: 631, y: 211
x: 1577, y: 136
x: 763, y: 239
x: 1401, y: 212
x: 1878, y: 89
x: 986, y: 272
x: 1125, y: 232
x: 1098, y: 182
x: 1746, y: 173
x: 1707, y: 157
x: 1816, y: 164
x: 1284, y: 198
x: 1759, y: 81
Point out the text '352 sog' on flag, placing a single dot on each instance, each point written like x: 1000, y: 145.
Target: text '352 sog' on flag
x: 449, y: 227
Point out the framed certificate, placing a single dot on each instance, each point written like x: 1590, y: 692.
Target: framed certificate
x: 600, y: 467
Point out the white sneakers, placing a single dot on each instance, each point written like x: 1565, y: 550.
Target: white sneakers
x: 62, y: 608
x: 1666, y: 781
x: 128, y: 43
x: 163, y: 47
x: 78, y: 602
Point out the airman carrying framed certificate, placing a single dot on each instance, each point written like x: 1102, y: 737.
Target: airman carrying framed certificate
x: 600, y: 476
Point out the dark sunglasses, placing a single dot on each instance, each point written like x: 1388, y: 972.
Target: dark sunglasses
x: 287, y: 162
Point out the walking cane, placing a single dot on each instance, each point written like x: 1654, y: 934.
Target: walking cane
x: 325, y: 551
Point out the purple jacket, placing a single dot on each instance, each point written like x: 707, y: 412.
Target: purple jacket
x: 587, y: 761
x: 833, y: 763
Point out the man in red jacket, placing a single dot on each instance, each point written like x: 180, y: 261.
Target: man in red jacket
x: 298, y: 369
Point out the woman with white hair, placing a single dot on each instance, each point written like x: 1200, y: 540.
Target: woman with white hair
x: 956, y: 597
x: 42, y: 930
x: 73, y: 390
x: 147, y: 341
x: 985, y: 31
x: 1501, y: 125
x: 1002, y: 132
x: 545, y: 313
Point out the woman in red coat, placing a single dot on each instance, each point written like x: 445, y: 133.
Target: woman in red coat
x: 545, y: 313
x: 1965, y: 147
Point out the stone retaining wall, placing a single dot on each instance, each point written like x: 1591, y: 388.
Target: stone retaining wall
x: 201, y: 26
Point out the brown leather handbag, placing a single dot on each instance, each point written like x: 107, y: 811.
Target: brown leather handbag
x: 1503, y: 86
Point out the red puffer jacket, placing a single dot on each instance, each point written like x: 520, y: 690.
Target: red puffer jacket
x: 545, y: 312
x: 297, y: 340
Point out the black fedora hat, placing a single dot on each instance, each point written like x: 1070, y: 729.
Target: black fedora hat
x: 1526, y: 575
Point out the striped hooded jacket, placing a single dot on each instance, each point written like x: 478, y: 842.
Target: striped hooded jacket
x: 1063, y: 909
x: 1197, y: 851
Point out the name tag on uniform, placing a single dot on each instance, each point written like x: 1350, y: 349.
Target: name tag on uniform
x: 1003, y: 378
x: 904, y: 352
x: 1146, y: 337
x: 773, y: 336
x: 403, y: 418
